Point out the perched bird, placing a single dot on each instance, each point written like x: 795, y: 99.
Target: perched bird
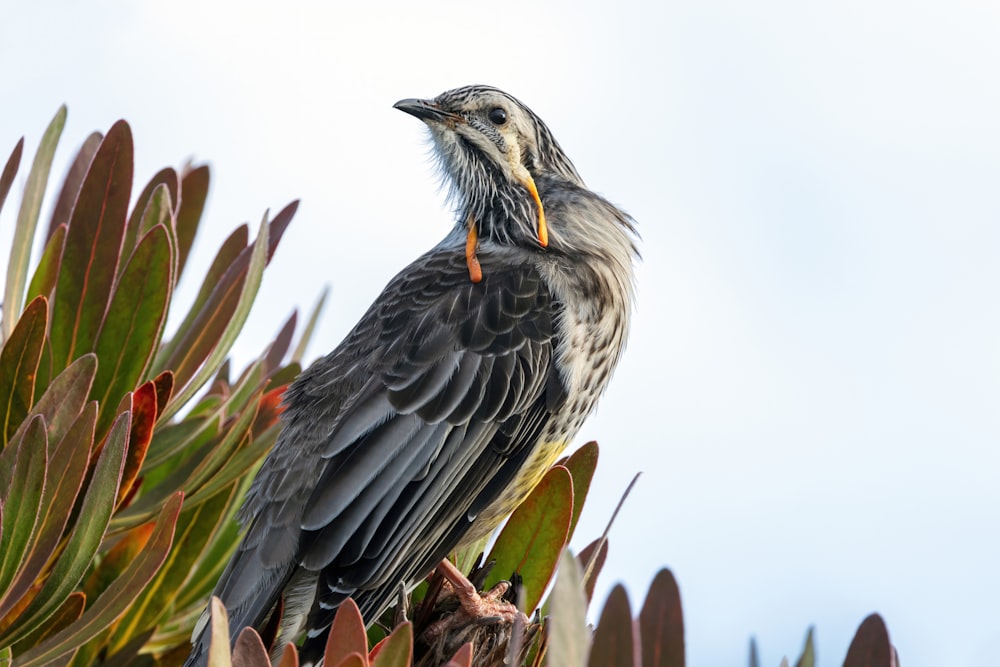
x: 447, y: 402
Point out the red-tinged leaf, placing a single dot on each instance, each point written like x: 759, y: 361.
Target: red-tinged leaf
x: 871, y: 646
x: 164, y: 383
x: 10, y: 170
x: 661, y: 623
x: 27, y: 221
x: 396, y: 650
x: 347, y: 634
x: 249, y: 650
x: 88, y: 531
x: 194, y: 192
x: 70, y: 610
x: 614, y: 643
x: 167, y: 182
x: 131, y: 331
x: 93, y: 248
x: 535, y: 534
x: 269, y: 411
x: 21, y: 496
x: 289, y: 656
x: 279, y: 348
x: 462, y: 657
x: 581, y: 465
x: 65, y: 396
x: 116, y: 599
x: 19, y: 359
x: 143, y: 420
x: 73, y: 181
x: 43, y: 281
x: 67, y: 469
x: 353, y: 660
x: 592, y: 559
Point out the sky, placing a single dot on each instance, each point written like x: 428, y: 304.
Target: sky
x: 812, y: 384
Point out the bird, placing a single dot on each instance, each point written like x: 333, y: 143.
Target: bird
x: 459, y: 387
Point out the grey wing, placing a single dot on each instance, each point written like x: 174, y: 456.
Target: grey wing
x: 394, y: 442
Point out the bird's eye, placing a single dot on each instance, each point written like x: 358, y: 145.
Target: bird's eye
x: 498, y: 116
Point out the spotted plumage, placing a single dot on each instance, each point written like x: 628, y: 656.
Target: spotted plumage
x: 447, y: 402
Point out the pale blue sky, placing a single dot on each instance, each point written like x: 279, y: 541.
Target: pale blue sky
x: 813, y: 380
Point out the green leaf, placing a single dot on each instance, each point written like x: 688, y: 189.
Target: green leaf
x: 27, y: 220
x: 568, y: 638
x: 241, y: 281
x: 808, y: 657
x: 396, y: 650
x: 10, y: 170
x: 614, y: 644
x: 43, y: 281
x: 347, y: 634
x: 592, y: 559
x: 73, y: 181
x: 532, y: 540
x: 66, y: 471
x: 116, y: 599
x: 65, y: 396
x: 300, y: 348
x: 88, y: 532
x: 581, y: 465
x: 93, y: 248
x: 661, y: 623
x: 134, y: 321
x: 871, y: 646
x: 19, y: 359
x: 71, y: 610
x: 21, y: 496
x: 194, y: 192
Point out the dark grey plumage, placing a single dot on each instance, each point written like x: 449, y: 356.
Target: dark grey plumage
x: 446, y: 403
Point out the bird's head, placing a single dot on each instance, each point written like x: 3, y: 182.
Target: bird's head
x: 497, y: 157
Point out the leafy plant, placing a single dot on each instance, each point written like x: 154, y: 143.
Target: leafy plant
x: 115, y: 511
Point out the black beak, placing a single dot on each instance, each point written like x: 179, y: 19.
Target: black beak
x: 426, y: 111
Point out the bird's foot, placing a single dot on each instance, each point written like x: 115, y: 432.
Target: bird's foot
x: 486, y: 609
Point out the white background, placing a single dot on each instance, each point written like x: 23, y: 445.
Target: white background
x: 813, y: 379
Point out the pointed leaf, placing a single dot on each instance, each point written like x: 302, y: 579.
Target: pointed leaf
x: 808, y: 657
x: 279, y: 348
x: 19, y: 359
x: 581, y: 465
x: 136, y: 314
x: 116, y: 599
x: 347, y: 634
x: 569, y: 639
x: 462, y: 657
x: 65, y: 396
x: 532, y: 540
x: 93, y: 247
x: 73, y: 181
x: 614, y: 643
x: 249, y: 650
x: 27, y: 220
x: 140, y: 435
x: 21, y: 496
x: 592, y: 559
x: 218, y: 648
x: 396, y: 650
x: 661, y: 623
x: 300, y: 348
x: 194, y: 192
x: 871, y: 646
x: 10, y: 170
x: 43, y: 281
